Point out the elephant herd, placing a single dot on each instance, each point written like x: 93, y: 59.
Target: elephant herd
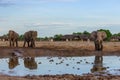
x: 30, y: 36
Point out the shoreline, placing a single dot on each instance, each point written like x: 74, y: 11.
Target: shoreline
x: 63, y: 77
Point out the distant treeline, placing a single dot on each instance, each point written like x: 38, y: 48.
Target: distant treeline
x: 75, y: 35
x: 83, y: 35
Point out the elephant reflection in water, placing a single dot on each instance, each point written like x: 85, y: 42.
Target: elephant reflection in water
x: 98, y: 64
x: 29, y: 62
x: 13, y: 62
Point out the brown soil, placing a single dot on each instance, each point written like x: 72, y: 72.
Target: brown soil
x: 62, y: 77
x: 72, y: 48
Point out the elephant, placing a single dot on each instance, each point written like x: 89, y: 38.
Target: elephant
x: 29, y: 62
x: 98, y: 37
x: 30, y: 37
x: 13, y: 38
x: 98, y: 64
x: 13, y: 62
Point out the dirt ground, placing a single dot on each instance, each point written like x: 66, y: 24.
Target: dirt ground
x: 70, y: 48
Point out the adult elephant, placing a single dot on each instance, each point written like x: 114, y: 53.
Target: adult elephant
x: 30, y: 63
x: 13, y: 62
x: 30, y: 37
x: 13, y: 38
x: 98, y: 37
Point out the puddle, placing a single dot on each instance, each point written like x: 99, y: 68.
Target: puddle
x: 60, y: 65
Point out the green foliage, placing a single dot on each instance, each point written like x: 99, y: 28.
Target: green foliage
x: 87, y: 33
x: 118, y: 34
x: 57, y: 37
x: 38, y: 39
x: 21, y: 37
x: 46, y: 38
x: 109, y: 34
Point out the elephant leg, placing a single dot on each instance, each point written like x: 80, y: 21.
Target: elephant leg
x: 28, y: 43
x: 101, y: 46
x: 13, y: 43
x: 24, y: 43
x: 96, y: 45
x: 16, y: 43
x: 33, y: 44
x: 10, y: 43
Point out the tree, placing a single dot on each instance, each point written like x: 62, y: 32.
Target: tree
x: 21, y: 37
x: 87, y: 33
x: 57, y: 37
x: 78, y: 33
x: 46, y: 38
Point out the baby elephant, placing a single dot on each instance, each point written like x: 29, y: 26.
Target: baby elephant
x: 98, y: 37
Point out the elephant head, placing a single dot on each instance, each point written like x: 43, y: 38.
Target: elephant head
x: 13, y: 38
x: 30, y: 37
x: 98, y: 37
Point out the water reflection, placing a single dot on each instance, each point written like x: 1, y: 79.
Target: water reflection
x: 59, y: 65
x: 29, y: 62
x: 13, y: 62
x: 98, y: 64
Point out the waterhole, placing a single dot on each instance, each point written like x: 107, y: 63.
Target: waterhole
x: 15, y: 66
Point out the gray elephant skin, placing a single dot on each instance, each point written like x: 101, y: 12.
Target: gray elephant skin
x: 29, y: 38
x: 13, y: 38
x: 98, y: 37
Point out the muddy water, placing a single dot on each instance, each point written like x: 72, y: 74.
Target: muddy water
x: 60, y: 65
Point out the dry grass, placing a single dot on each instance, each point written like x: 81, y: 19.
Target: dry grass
x: 108, y: 46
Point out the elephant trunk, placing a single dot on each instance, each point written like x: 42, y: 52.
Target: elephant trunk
x: 98, y: 45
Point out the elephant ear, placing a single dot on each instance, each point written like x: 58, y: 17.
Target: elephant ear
x: 93, y: 35
x: 11, y: 33
x: 104, y: 35
x: 35, y: 33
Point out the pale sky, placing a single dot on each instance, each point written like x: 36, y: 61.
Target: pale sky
x: 50, y: 17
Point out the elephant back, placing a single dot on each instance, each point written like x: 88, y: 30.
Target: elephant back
x: 30, y: 34
x: 27, y: 35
